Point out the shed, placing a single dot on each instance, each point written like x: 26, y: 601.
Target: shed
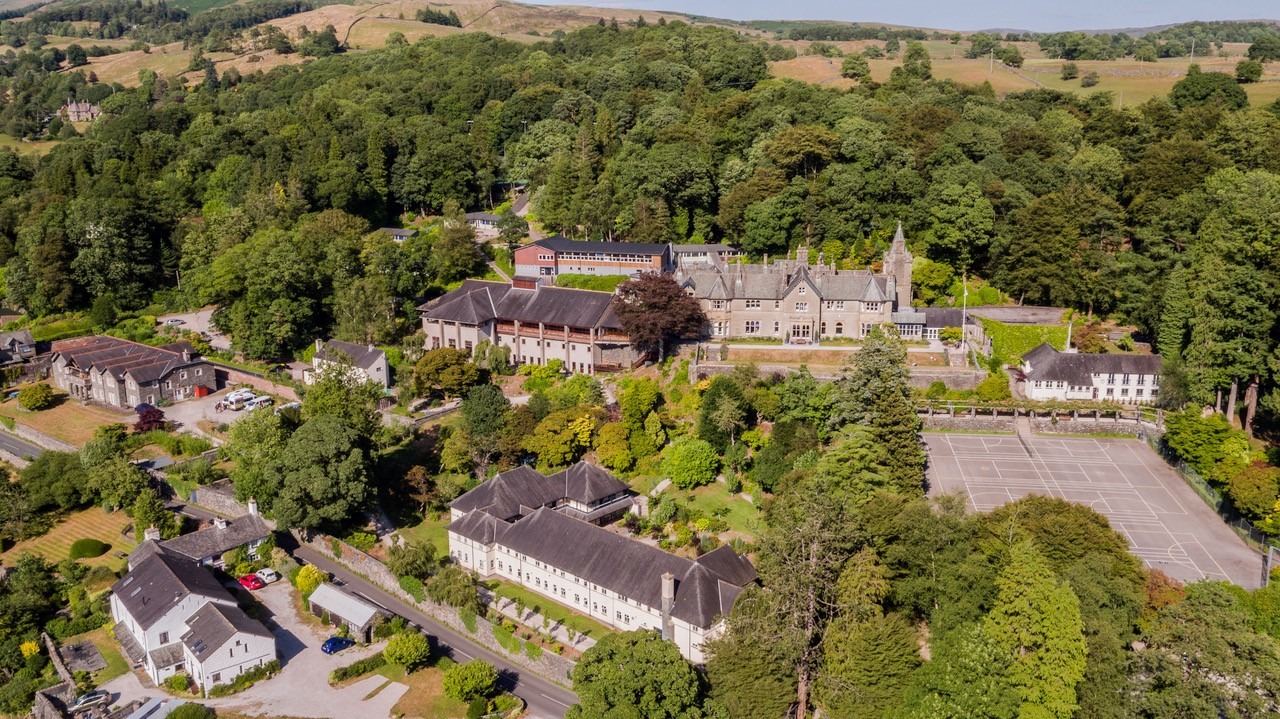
x: 358, y: 615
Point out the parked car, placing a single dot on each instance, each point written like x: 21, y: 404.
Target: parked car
x: 94, y: 698
x: 258, y: 403
x: 251, y: 582
x: 333, y: 645
x: 239, y: 395
x: 267, y: 575
x: 175, y: 321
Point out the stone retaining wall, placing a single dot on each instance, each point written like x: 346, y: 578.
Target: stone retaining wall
x: 229, y: 376
x: 42, y: 439
x: 1004, y: 423
x: 218, y: 497
x: 920, y: 377
x: 548, y: 666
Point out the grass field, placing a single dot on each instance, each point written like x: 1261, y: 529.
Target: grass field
x: 550, y: 609
x: 714, y: 500
x: 27, y: 148
x: 68, y: 421
x: 432, y: 529
x: 55, y: 545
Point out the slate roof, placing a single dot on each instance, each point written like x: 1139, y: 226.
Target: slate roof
x: 559, y: 243
x: 119, y: 357
x: 169, y: 654
x: 398, y: 233
x: 508, y: 494
x: 147, y: 548
x: 481, y: 217
x: 774, y: 282
x: 705, y: 588
x: 1077, y: 369
x: 699, y: 249
x: 16, y: 346
x: 942, y: 316
x: 213, y: 540
x: 339, y: 603
x: 362, y: 356
x: 213, y: 625
x: 477, y: 302
x: 159, y: 582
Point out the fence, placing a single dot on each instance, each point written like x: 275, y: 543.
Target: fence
x: 1220, y: 504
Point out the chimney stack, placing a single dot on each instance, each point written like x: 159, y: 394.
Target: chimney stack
x: 151, y: 533
x: 668, y: 601
x: 220, y: 523
x: 253, y: 506
x: 319, y: 345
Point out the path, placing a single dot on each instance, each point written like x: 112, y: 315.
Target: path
x: 546, y: 700
x: 498, y: 270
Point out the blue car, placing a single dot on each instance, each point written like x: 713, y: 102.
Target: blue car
x: 333, y: 645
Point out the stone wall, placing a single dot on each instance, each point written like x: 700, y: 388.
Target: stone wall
x: 548, y: 666
x: 229, y: 376
x: 920, y: 377
x: 1003, y: 422
x: 40, y: 438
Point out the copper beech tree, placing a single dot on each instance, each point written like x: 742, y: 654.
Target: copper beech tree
x: 654, y: 310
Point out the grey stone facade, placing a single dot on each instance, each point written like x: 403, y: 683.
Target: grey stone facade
x: 124, y: 374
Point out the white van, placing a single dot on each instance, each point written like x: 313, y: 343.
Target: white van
x: 239, y: 395
x: 258, y: 402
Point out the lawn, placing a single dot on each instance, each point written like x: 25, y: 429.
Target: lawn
x: 55, y: 545
x: 432, y: 529
x: 550, y: 609
x: 68, y: 420
x: 38, y: 147
x: 714, y: 500
x: 425, y: 698
x: 117, y: 665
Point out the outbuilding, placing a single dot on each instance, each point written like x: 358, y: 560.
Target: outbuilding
x: 339, y: 608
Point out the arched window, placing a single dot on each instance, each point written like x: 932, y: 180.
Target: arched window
x: 839, y: 328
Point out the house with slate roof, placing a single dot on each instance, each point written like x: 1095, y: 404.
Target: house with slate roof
x: 173, y: 615
x: 206, y: 546
x: 535, y: 323
x: 124, y: 374
x: 558, y: 255
x: 542, y: 533
x: 362, y: 363
x: 799, y: 302
x: 1123, y: 378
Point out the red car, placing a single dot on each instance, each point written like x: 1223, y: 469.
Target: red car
x: 251, y: 582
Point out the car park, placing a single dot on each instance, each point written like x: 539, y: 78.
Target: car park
x: 267, y: 575
x: 333, y: 645
x: 94, y: 698
x: 251, y: 582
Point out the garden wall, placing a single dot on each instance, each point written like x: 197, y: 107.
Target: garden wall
x: 218, y: 497
x: 548, y: 666
x: 922, y: 377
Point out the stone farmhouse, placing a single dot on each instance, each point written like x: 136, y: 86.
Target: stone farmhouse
x: 512, y: 528
x: 537, y: 323
x: 1127, y: 379
x: 80, y: 111
x: 124, y: 374
x: 557, y: 255
x: 362, y: 363
x: 206, y: 546
x: 800, y: 303
x: 174, y: 616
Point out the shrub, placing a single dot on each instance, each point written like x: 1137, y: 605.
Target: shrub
x: 408, y: 649
x: 468, y: 619
x: 88, y: 548
x: 177, y: 683
x: 364, y: 666
x: 469, y: 681
x: 61, y: 627
x: 1012, y: 341
x: 309, y: 577
x: 1090, y: 80
x: 335, y: 546
x: 506, y: 639
x: 246, y: 680
x: 192, y: 711
x: 994, y: 388
x: 363, y: 541
x: 478, y: 706
x: 414, y: 587
x: 35, y: 397
x: 533, y: 651
x: 691, y: 463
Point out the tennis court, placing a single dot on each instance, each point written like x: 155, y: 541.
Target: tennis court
x: 1168, y: 526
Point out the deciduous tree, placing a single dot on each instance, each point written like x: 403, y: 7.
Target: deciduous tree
x: 654, y: 311
x: 635, y: 674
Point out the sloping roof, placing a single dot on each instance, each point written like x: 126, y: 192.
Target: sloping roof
x: 147, y: 548
x: 214, y: 540
x: 506, y: 495
x: 169, y: 654
x: 361, y: 356
x: 1077, y: 369
x: 774, y: 282
x: 159, y: 582
x: 337, y: 602
x: 559, y: 243
x: 398, y: 233
x: 213, y: 625
x: 118, y: 357
x: 942, y: 316
x: 17, y: 338
x: 627, y: 567
x: 700, y: 249
x: 481, y: 216
x: 477, y: 302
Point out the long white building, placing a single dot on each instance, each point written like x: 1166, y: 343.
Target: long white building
x: 1126, y: 379
x: 552, y: 548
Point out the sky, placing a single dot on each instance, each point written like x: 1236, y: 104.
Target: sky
x: 1038, y: 15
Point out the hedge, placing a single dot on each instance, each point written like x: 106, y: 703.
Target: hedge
x: 364, y: 666
x: 245, y: 680
x: 61, y: 627
x: 88, y: 548
x: 1010, y: 342
x: 414, y: 587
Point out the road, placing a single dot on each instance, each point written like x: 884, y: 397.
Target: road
x: 545, y: 699
x: 19, y: 447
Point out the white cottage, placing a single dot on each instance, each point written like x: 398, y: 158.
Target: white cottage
x: 1054, y: 375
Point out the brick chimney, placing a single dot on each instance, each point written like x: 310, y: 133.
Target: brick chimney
x: 152, y: 533
x: 668, y: 601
